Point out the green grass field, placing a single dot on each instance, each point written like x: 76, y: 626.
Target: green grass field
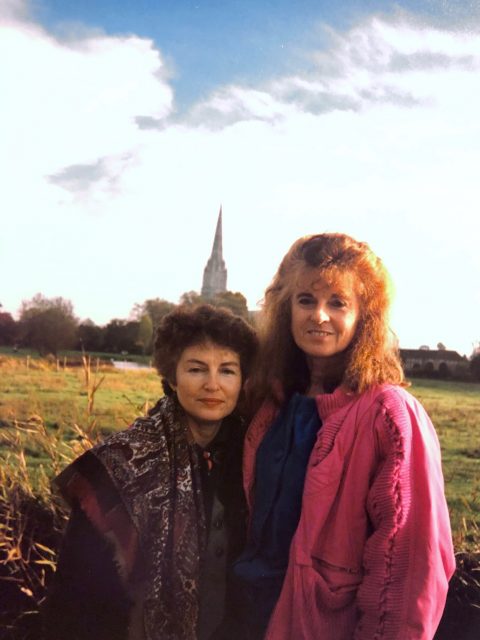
x: 58, y: 399
x: 454, y: 408
x: 44, y: 412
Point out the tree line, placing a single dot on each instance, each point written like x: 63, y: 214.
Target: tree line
x: 49, y: 325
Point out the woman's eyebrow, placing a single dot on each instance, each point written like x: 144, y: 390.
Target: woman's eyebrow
x: 339, y: 293
x: 228, y: 363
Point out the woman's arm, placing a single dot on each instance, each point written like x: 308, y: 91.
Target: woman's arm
x: 86, y: 600
x: 408, y: 559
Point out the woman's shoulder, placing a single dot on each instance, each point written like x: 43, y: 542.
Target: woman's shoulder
x: 396, y: 414
x: 397, y: 399
x: 120, y: 444
x: 104, y: 469
x: 391, y: 396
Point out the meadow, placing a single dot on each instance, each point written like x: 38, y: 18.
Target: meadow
x: 50, y: 413
x: 60, y: 397
x: 454, y: 408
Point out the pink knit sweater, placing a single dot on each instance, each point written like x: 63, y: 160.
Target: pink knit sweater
x: 372, y: 554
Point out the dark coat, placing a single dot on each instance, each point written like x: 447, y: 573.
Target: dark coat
x: 104, y: 574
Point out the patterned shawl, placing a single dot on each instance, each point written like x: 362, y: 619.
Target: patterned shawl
x: 155, y: 475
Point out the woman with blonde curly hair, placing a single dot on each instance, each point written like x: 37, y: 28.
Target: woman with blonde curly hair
x: 349, y: 533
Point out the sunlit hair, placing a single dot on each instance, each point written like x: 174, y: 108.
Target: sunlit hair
x: 371, y: 358
x: 188, y: 326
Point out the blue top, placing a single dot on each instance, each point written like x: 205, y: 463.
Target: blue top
x: 280, y: 469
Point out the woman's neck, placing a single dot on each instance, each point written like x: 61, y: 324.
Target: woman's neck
x: 325, y: 374
x: 203, y: 433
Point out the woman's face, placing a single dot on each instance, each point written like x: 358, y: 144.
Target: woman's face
x: 208, y: 382
x: 324, y: 316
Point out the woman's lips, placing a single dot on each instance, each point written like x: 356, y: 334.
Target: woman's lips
x: 318, y: 332
x: 210, y: 402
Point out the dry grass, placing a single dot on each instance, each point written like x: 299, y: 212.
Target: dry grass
x: 31, y: 515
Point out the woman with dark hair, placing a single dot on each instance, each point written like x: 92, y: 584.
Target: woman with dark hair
x: 157, y: 510
x: 349, y: 533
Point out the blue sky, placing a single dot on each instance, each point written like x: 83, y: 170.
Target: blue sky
x: 224, y: 41
x: 125, y: 125
x: 208, y: 43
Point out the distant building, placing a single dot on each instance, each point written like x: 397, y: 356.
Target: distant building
x: 215, y: 273
x: 442, y: 361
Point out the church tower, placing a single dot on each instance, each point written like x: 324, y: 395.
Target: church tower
x: 215, y: 273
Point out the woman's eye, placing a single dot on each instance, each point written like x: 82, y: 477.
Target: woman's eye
x: 229, y: 372
x: 338, y: 303
x: 305, y: 301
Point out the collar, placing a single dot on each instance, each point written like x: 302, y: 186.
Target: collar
x: 328, y: 403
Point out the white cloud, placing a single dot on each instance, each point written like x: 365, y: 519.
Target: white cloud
x: 375, y: 63
x: 113, y: 199
x: 73, y: 102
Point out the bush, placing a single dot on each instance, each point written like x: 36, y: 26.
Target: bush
x: 475, y: 366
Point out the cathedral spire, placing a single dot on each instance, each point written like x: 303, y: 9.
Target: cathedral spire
x: 217, y: 249
x: 215, y: 273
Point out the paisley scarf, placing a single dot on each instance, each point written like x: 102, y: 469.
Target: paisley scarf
x: 149, y: 503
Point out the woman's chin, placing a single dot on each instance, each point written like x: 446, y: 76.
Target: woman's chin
x: 208, y: 417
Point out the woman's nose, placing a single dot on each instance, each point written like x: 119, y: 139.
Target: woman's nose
x: 320, y: 314
x: 211, y: 383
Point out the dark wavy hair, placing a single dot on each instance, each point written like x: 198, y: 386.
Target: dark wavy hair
x: 188, y: 326
x: 372, y: 357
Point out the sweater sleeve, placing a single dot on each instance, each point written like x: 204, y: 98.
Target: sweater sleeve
x: 408, y: 558
x: 86, y: 600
